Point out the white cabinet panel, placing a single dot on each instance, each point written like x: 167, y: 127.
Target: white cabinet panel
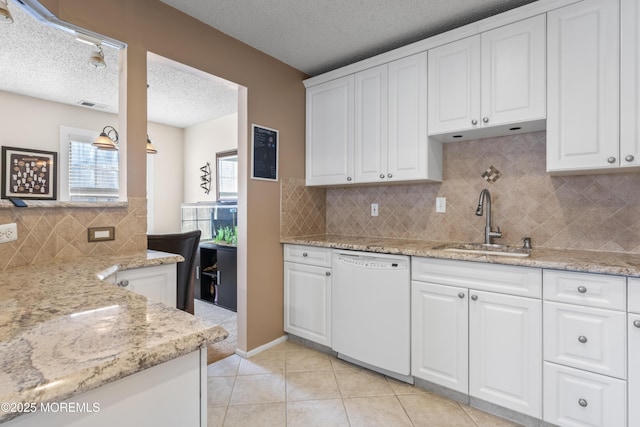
x: 505, y: 361
x: 587, y: 338
x: 634, y: 295
x: 307, y: 302
x: 593, y: 290
x: 577, y: 398
x: 439, y: 328
x: 371, y: 103
x: 312, y: 255
x: 157, y: 283
x: 629, y: 83
x: 633, y: 326
x: 583, y: 86
x: 329, y: 133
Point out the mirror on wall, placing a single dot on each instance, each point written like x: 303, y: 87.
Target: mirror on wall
x: 55, y: 76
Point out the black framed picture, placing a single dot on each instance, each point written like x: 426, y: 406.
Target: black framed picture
x: 264, y: 153
x: 29, y: 174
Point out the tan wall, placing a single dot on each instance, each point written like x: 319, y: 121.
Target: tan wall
x: 275, y: 99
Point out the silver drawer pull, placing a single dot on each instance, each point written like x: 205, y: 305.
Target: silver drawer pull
x: 582, y: 402
x: 381, y: 176
x: 328, y: 273
x: 304, y: 254
x: 582, y: 289
x: 461, y: 295
x: 636, y: 323
x: 611, y: 160
x: 474, y: 297
x: 582, y: 339
x: 123, y: 283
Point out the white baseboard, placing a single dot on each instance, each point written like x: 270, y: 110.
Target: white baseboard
x: 262, y: 348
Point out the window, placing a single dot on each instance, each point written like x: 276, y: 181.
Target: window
x: 93, y: 173
x: 227, y: 175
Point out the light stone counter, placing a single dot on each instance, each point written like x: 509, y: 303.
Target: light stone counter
x: 585, y: 261
x: 64, y: 332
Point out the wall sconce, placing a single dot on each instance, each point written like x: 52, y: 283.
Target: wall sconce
x: 206, y: 178
x: 150, y: 148
x: 108, y: 139
x: 5, y: 15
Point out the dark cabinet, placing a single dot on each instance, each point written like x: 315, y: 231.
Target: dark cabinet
x: 218, y: 275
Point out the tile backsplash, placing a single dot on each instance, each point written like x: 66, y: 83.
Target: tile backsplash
x: 590, y: 212
x: 47, y: 234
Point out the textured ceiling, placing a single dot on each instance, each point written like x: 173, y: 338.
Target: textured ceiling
x: 316, y: 36
x: 313, y: 36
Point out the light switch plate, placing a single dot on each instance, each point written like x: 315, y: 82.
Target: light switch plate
x: 8, y: 232
x: 374, y: 209
x: 441, y: 204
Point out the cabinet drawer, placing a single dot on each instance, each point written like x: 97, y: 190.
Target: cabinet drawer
x: 311, y: 255
x: 593, y: 290
x: 634, y: 295
x: 586, y: 338
x: 573, y: 397
x: 506, y: 279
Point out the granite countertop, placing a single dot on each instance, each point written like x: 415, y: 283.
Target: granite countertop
x: 618, y: 263
x: 64, y: 332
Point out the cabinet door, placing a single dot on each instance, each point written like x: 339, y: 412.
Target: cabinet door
x: 329, y: 134
x: 439, y: 335
x: 514, y: 72
x: 454, y: 86
x: 583, y: 59
x: 371, y: 125
x: 633, y: 326
x: 156, y: 283
x: 407, y: 152
x: 505, y: 351
x: 307, y: 302
x: 573, y: 397
x: 629, y: 83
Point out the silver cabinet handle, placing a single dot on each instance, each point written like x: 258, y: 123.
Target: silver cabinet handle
x: 123, y: 283
x: 328, y: 273
x: 629, y: 158
x: 582, y: 402
x: 582, y: 289
x: 389, y: 175
x: 304, y: 254
x: 485, y: 120
x: 474, y: 122
x: 636, y: 323
x: 582, y: 339
x: 611, y: 160
x: 474, y: 297
x: 381, y: 176
x: 461, y: 295
x: 348, y: 178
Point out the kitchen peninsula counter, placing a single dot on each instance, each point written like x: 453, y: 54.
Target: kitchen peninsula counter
x: 618, y: 263
x: 63, y: 331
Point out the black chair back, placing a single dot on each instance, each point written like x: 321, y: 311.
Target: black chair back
x: 185, y: 244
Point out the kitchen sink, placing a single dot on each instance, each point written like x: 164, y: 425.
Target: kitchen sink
x: 484, y: 249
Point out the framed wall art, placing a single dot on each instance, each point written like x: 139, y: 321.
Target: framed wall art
x: 264, y: 153
x: 29, y: 174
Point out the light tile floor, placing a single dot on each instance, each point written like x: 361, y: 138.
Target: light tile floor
x: 292, y: 385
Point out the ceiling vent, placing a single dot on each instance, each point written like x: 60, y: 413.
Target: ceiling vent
x: 95, y: 105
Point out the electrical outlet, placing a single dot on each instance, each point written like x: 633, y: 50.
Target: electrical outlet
x: 8, y: 232
x: 441, y: 204
x: 374, y: 209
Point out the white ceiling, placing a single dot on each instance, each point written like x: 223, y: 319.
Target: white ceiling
x: 310, y: 35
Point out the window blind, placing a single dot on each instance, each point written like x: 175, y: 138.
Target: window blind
x: 93, y: 173
x: 228, y: 178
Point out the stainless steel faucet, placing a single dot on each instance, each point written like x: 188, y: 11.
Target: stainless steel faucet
x: 488, y: 233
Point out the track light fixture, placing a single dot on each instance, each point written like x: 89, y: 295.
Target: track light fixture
x: 150, y: 148
x: 108, y: 139
x: 96, y: 60
x: 5, y: 15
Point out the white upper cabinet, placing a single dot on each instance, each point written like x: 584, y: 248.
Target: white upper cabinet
x: 583, y: 87
x: 485, y: 85
x: 329, y: 134
x: 629, y: 83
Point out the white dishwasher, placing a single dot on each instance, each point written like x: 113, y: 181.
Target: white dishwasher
x: 371, y: 316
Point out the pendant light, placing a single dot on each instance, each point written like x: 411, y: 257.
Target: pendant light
x: 108, y: 139
x: 150, y: 148
x: 5, y: 15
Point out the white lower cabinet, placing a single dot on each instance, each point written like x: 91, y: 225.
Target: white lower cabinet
x: 485, y: 344
x: 307, y: 293
x: 634, y: 369
x: 157, y: 283
x: 574, y: 397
